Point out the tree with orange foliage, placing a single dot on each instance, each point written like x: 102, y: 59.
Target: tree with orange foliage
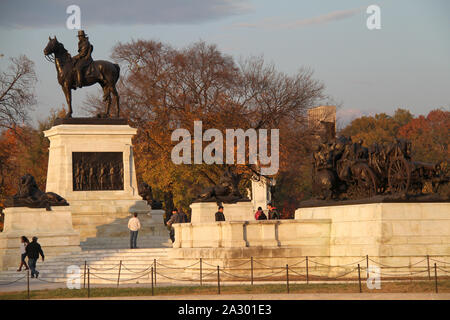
x: 429, y: 136
x: 380, y: 128
x: 166, y: 88
x: 24, y: 150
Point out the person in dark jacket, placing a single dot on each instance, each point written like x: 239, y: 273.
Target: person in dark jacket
x: 175, y: 218
x: 33, y: 250
x: 183, y: 217
x: 273, y: 212
x: 219, y: 214
x: 260, y: 215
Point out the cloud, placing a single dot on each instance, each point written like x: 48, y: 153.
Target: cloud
x: 271, y: 23
x: 50, y: 13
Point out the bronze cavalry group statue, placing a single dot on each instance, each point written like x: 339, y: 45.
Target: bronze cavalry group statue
x: 82, y: 71
x: 343, y: 169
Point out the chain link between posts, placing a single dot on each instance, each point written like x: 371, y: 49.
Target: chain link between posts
x: 205, y: 273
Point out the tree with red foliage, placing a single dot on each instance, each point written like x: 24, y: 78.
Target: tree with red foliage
x: 429, y: 136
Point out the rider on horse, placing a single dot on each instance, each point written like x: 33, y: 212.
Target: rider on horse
x: 83, y: 59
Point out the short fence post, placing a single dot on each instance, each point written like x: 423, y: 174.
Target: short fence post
x: 435, y: 278
x: 307, y: 274
x: 251, y: 269
x: 428, y: 265
x: 28, y: 284
x: 84, y: 275
x: 89, y: 283
x: 367, y: 266
x: 287, y: 278
x: 218, y: 279
x: 201, y: 272
x: 152, y: 282
x: 359, y: 278
x: 154, y: 266
x: 118, y: 276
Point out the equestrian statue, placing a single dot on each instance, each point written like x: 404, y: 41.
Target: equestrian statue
x: 82, y: 71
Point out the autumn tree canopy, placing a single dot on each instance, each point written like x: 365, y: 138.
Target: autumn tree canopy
x: 164, y: 88
x: 429, y: 134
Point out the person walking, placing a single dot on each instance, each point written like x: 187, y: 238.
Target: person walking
x: 219, y: 214
x: 33, y: 250
x: 273, y: 212
x: 260, y: 215
x: 134, y: 225
x: 23, y: 253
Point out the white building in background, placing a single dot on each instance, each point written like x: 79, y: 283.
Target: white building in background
x: 322, y: 120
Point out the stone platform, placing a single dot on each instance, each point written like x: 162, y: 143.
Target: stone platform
x: 385, y: 229
x: 394, y: 234
x: 53, y: 228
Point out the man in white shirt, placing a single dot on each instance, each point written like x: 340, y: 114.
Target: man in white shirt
x: 134, y: 225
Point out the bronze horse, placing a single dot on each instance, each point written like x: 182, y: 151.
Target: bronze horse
x: 103, y: 72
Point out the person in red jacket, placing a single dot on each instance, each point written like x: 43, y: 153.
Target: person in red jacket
x: 260, y: 215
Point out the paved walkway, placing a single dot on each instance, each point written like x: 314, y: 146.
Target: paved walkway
x: 34, y: 285
x: 295, y: 296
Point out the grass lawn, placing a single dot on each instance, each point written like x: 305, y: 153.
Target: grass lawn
x: 386, y: 287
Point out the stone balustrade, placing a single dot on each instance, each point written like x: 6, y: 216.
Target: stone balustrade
x: 238, y: 234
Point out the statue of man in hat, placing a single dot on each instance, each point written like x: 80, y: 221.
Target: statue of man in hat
x: 83, y: 59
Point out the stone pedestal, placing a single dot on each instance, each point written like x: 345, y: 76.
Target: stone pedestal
x: 205, y: 211
x: 386, y: 230
x: 53, y: 228
x: 96, y: 213
x: 66, y: 139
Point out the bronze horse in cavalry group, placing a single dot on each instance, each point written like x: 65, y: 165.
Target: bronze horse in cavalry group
x: 81, y: 71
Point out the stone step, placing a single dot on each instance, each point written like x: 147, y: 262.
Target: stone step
x: 104, y: 263
x: 100, y: 256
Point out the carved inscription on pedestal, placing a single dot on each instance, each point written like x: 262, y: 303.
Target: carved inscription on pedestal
x: 97, y: 171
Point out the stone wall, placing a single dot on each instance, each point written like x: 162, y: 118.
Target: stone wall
x: 313, y: 234
x: 205, y: 211
x: 53, y: 228
x: 386, y: 230
x: 395, y: 236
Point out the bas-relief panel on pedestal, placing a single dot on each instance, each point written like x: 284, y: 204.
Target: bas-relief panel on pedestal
x: 97, y: 171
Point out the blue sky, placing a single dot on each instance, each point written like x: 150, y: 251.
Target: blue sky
x: 405, y: 64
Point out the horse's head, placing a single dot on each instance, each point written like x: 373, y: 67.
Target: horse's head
x: 52, y: 46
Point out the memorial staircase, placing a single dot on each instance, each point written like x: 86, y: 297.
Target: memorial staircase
x: 135, y: 267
